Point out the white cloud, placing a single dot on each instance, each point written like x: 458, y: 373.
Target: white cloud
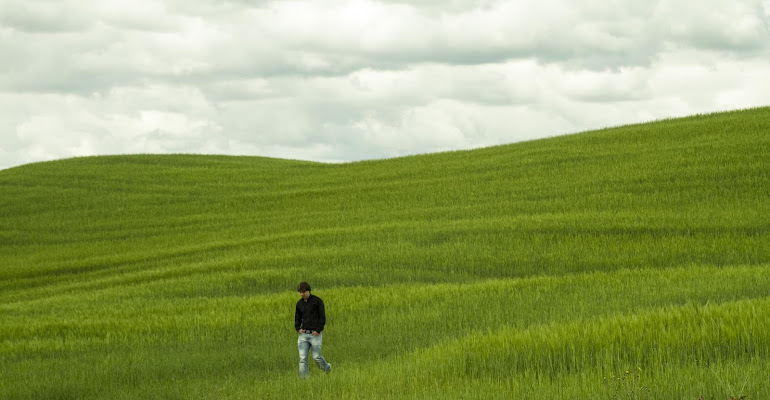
x: 734, y: 26
x: 68, y: 125
x: 608, y: 86
x: 335, y: 80
x: 43, y: 16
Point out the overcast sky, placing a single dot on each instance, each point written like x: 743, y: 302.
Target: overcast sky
x: 339, y: 80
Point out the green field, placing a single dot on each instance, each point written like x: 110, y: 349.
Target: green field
x: 624, y: 263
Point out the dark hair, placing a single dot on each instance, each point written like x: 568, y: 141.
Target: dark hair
x: 303, y: 287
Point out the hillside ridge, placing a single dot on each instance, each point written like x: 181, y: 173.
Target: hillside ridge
x: 542, y: 269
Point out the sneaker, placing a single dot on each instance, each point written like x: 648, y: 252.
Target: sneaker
x: 330, y: 368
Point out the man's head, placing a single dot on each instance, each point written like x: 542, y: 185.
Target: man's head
x: 304, y: 290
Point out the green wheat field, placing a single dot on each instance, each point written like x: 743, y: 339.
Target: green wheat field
x: 623, y: 263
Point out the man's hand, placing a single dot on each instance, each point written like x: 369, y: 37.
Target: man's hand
x: 301, y: 331
x: 315, y: 333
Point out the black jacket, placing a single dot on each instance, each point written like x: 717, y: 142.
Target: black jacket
x: 310, y: 315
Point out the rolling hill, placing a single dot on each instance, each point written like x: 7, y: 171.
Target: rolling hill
x: 631, y: 262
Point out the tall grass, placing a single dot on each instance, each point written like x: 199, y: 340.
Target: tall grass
x: 535, y: 270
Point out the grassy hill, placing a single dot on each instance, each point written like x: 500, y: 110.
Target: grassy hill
x: 582, y: 266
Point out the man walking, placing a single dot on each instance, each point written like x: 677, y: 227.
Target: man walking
x: 309, y: 321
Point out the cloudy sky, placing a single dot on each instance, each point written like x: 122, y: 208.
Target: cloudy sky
x: 345, y: 80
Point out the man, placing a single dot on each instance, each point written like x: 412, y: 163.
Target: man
x: 309, y: 321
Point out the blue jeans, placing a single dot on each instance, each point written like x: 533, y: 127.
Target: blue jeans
x: 305, y: 343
